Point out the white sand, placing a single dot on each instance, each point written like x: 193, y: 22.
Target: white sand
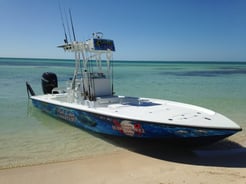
x: 128, y: 167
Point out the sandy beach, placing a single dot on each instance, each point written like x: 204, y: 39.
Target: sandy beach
x: 140, y: 165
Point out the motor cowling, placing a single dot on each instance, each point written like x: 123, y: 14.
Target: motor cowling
x: 49, y: 82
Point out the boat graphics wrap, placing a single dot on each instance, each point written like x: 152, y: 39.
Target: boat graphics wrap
x: 126, y: 127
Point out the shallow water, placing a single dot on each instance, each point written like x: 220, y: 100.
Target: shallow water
x: 28, y: 136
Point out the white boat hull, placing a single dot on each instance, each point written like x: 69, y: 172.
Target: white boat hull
x: 140, y: 118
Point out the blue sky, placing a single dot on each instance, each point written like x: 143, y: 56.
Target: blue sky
x: 166, y: 30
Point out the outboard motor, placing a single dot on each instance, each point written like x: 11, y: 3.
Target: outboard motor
x: 49, y: 82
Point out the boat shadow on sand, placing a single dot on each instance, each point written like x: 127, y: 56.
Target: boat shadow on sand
x: 225, y: 153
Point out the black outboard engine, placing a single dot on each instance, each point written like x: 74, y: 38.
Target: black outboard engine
x: 49, y: 82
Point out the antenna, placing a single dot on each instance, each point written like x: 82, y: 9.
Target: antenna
x: 62, y: 20
x: 71, y: 20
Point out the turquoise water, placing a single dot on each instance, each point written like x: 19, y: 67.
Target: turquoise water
x: 29, y: 137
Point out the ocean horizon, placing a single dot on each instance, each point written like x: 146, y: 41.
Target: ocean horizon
x: 30, y: 137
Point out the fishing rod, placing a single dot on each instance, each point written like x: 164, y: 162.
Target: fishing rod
x: 69, y: 33
x: 63, y: 25
x: 71, y: 20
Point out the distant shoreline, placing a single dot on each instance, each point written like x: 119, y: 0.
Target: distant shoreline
x: 130, y: 61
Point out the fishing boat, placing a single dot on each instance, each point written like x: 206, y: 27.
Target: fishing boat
x: 89, y: 102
